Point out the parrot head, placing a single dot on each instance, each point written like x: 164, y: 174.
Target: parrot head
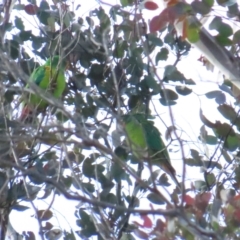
x: 56, y: 61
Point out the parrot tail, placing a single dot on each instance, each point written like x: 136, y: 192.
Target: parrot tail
x: 168, y: 168
x: 26, y: 115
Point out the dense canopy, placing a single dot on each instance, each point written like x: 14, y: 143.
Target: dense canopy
x: 101, y: 114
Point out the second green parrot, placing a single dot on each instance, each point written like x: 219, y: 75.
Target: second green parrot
x: 49, y: 77
x: 146, y: 142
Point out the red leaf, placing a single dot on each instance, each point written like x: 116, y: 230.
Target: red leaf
x: 157, y: 24
x: 150, y: 5
x: 138, y: 224
x: 184, y: 31
x: 228, y: 212
x: 160, y: 225
x: 236, y: 201
x: 44, y: 215
x: 172, y: 2
x: 151, y: 206
x: 202, y: 200
x: 141, y: 234
x: 237, y: 215
x: 147, y: 223
x: 237, y: 198
x: 31, y: 9
x: 189, y: 200
x: 168, y: 15
x: 206, y: 197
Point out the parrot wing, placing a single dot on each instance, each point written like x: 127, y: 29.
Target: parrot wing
x: 145, y: 135
x: 38, y: 75
x: 135, y: 136
x: 158, y: 151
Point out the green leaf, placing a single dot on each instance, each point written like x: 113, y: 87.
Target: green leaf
x: 208, y: 2
x: 9, y: 96
x: 117, y: 172
x: 195, y: 154
x: 88, y: 228
x: 151, y: 83
x: 169, y: 70
x: 96, y: 73
x: 211, y: 140
x: 163, y: 180
x: 104, y: 19
x: 90, y: 21
x: 37, y: 42
x: 13, y: 47
x: 68, y: 180
x: 193, y: 162
x: 223, y: 29
x: 215, y: 23
x: 19, y: 23
x: 236, y: 37
x: 126, y: 3
x: 169, y: 39
x: 121, y: 153
x: 68, y: 18
x: 134, y: 101
x: 231, y: 143
x: 221, y: 98
x: 169, y: 95
x: 203, y: 7
x: 155, y: 40
x: 88, y: 168
x: 155, y: 198
x: 233, y: 10
x: 104, y: 181
x: 111, y: 198
x: 20, y: 208
x: 211, y: 179
x: 25, y: 35
x: 89, y: 187
x: 44, y: 5
x: 193, y: 32
x: 19, y: 6
x: 226, y: 3
x: 228, y: 112
x: 89, y: 112
x: 43, y: 16
x: 51, y: 23
x: 222, y: 130
x: 172, y: 74
x: 166, y: 102
x: 226, y: 156
x: 183, y: 90
x: 212, y: 164
x: 223, y: 41
x: 152, y: 178
x: 120, y: 49
x: 212, y: 94
x: 85, y: 218
x: 200, y: 185
x: 162, y: 55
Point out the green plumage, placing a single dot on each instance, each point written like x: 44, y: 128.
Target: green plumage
x: 49, y: 77
x: 146, y: 142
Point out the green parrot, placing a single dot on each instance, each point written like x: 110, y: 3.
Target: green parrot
x: 146, y: 142
x: 49, y: 77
